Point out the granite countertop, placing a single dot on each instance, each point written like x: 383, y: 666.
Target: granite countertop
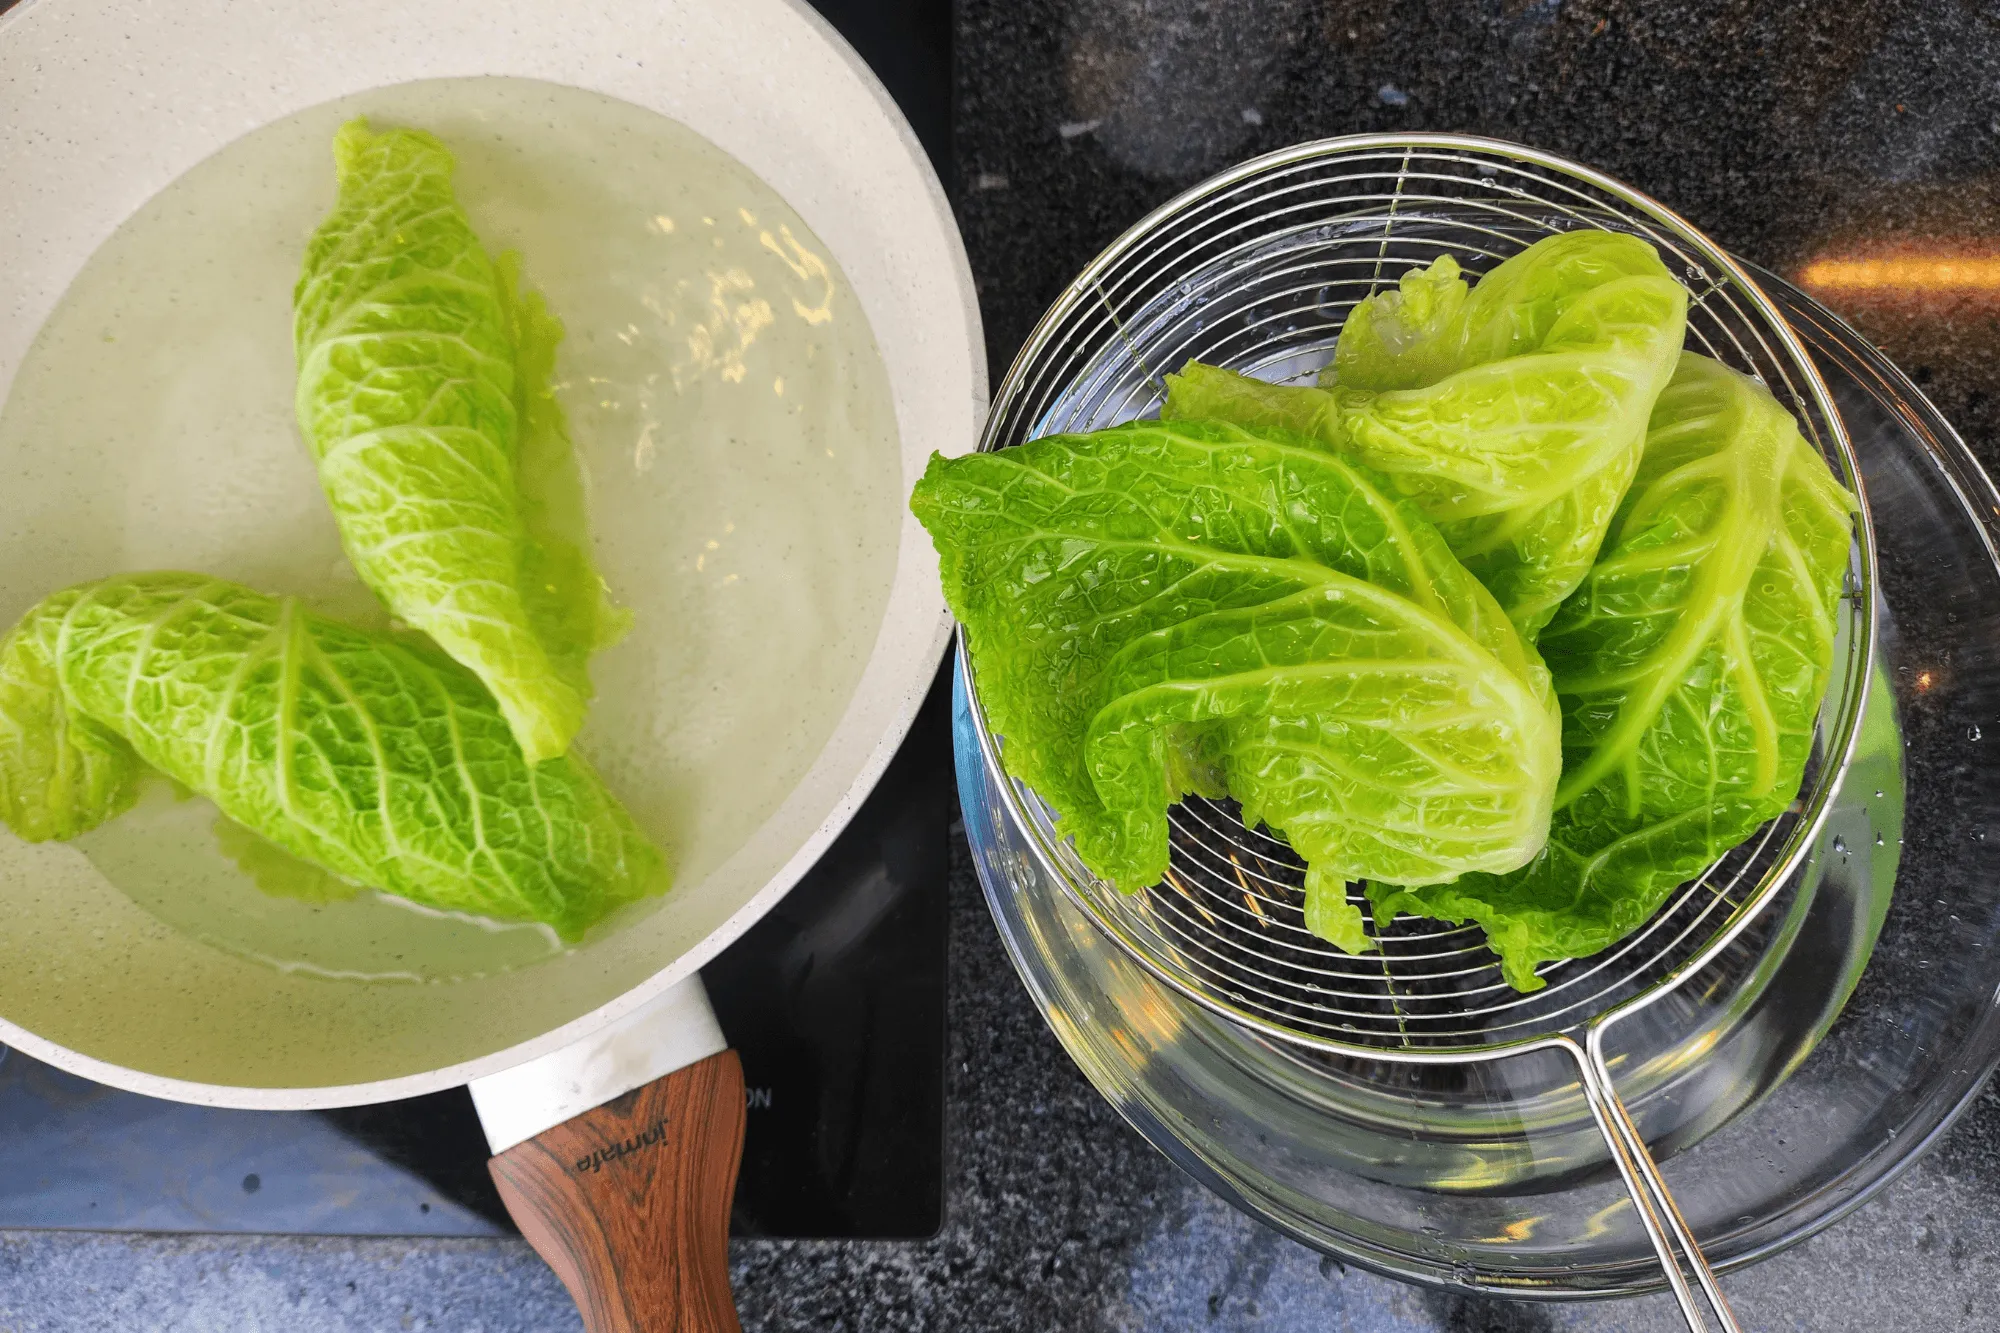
x: 1790, y: 131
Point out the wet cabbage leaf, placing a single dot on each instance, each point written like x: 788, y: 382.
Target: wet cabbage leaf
x: 1513, y: 413
x: 373, y: 757
x: 1172, y: 607
x: 1690, y: 667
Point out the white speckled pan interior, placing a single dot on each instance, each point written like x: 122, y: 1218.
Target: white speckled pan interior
x: 103, y: 104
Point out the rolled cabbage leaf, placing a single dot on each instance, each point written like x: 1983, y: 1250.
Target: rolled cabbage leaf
x: 1513, y: 414
x: 1171, y: 607
x: 423, y: 394
x: 1690, y: 666
x: 61, y: 774
x: 371, y: 756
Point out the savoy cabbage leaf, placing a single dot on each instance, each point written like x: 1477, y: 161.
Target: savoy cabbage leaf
x: 1690, y: 666
x: 61, y: 774
x: 1408, y: 337
x: 373, y: 757
x: 1166, y: 607
x: 1513, y: 414
x: 423, y: 394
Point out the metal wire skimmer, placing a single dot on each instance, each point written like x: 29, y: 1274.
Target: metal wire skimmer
x: 1256, y: 269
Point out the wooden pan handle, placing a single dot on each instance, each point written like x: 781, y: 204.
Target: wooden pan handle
x: 629, y: 1203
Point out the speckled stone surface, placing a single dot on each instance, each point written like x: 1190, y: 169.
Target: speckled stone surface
x: 1789, y: 131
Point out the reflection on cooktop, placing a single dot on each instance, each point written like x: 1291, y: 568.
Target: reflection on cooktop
x: 836, y: 1002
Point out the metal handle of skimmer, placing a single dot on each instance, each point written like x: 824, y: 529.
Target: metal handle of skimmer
x: 1672, y: 1240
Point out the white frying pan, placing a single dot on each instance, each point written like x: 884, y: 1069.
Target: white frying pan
x: 105, y: 968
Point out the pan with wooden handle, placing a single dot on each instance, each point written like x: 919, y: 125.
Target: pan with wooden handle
x: 614, y: 1110
x: 617, y: 1158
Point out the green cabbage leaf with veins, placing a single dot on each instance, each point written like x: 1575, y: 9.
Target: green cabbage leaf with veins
x: 423, y: 395
x: 1165, y: 608
x: 1690, y: 667
x: 371, y: 756
x: 1513, y: 412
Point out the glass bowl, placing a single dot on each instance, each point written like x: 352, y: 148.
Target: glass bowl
x: 1780, y: 1086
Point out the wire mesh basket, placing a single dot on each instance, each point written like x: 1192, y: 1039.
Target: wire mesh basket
x: 1257, y: 270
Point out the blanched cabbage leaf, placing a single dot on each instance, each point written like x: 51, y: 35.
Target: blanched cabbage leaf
x: 1172, y: 607
x: 379, y: 760
x: 1514, y: 414
x: 1408, y: 337
x: 423, y: 395
x: 1690, y: 665
x: 61, y: 774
